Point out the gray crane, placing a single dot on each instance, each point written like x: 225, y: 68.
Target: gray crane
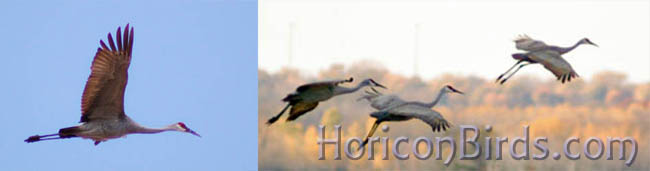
x: 393, y: 108
x: 306, y: 97
x: 380, y: 101
x: 102, y: 103
x: 547, y: 55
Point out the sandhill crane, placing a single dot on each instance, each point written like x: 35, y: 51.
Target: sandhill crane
x: 393, y: 108
x: 102, y: 103
x: 380, y: 101
x: 549, y: 56
x: 306, y: 97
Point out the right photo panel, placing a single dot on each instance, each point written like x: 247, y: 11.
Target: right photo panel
x: 453, y: 85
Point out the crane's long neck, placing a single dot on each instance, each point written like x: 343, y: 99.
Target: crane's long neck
x: 434, y: 102
x: 564, y: 50
x: 145, y: 130
x: 345, y: 90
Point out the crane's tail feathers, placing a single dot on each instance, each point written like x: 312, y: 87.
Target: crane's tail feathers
x: 276, y: 117
x: 69, y: 132
x: 519, y: 56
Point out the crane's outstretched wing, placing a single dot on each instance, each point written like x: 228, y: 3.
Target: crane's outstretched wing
x: 322, y: 85
x: 523, y: 42
x: 386, y: 101
x: 103, y: 96
x: 299, y: 109
x: 553, y: 62
x: 431, y: 117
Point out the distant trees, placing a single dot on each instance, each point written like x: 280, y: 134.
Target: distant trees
x: 606, y: 105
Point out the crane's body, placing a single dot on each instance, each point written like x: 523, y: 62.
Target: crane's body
x: 102, y: 104
x: 547, y: 55
x: 393, y: 108
x: 306, y: 97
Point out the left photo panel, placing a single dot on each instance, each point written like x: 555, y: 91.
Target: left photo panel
x: 126, y: 85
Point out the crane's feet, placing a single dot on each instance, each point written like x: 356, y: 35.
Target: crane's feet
x: 500, y: 76
x: 503, y: 81
x: 33, y: 139
x: 363, y: 144
x: 272, y: 120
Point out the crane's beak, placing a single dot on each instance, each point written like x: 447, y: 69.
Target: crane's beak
x: 591, y: 43
x: 192, y: 132
x: 456, y: 91
x: 378, y: 85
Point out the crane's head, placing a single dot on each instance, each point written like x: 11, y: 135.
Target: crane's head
x: 180, y: 126
x: 587, y: 41
x: 370, y: 82
x: 451, y: 89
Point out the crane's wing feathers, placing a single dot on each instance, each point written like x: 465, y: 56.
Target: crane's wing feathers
x: 103, y: 96
x: 554, y: 62
x: 385, y: 101
x: 528, y: 44
x: 429, y: 116
x: 299, y: 109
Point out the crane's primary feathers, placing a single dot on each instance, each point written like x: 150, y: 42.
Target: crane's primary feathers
x: 102, y: 102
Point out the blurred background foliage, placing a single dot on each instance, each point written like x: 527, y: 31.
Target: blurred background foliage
x: 606, y: 105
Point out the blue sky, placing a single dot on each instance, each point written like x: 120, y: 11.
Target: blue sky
x: 192, y: 62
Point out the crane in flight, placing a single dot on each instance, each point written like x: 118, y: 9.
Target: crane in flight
x: 548, y: 55
x: 381, y: 101
x: 393, y: 108
x: 306, y: 97
x: 102, y: 102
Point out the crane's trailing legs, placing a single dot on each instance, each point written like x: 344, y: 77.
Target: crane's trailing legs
x: 41, y: 138
x: 513, y: 73
x: 68, y: 132
x: 513, y: 66
x: 276, y: 117
x: 372, y: 131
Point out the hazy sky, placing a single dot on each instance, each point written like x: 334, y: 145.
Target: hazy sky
x: 187, y: 59
x: 460, y: 37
